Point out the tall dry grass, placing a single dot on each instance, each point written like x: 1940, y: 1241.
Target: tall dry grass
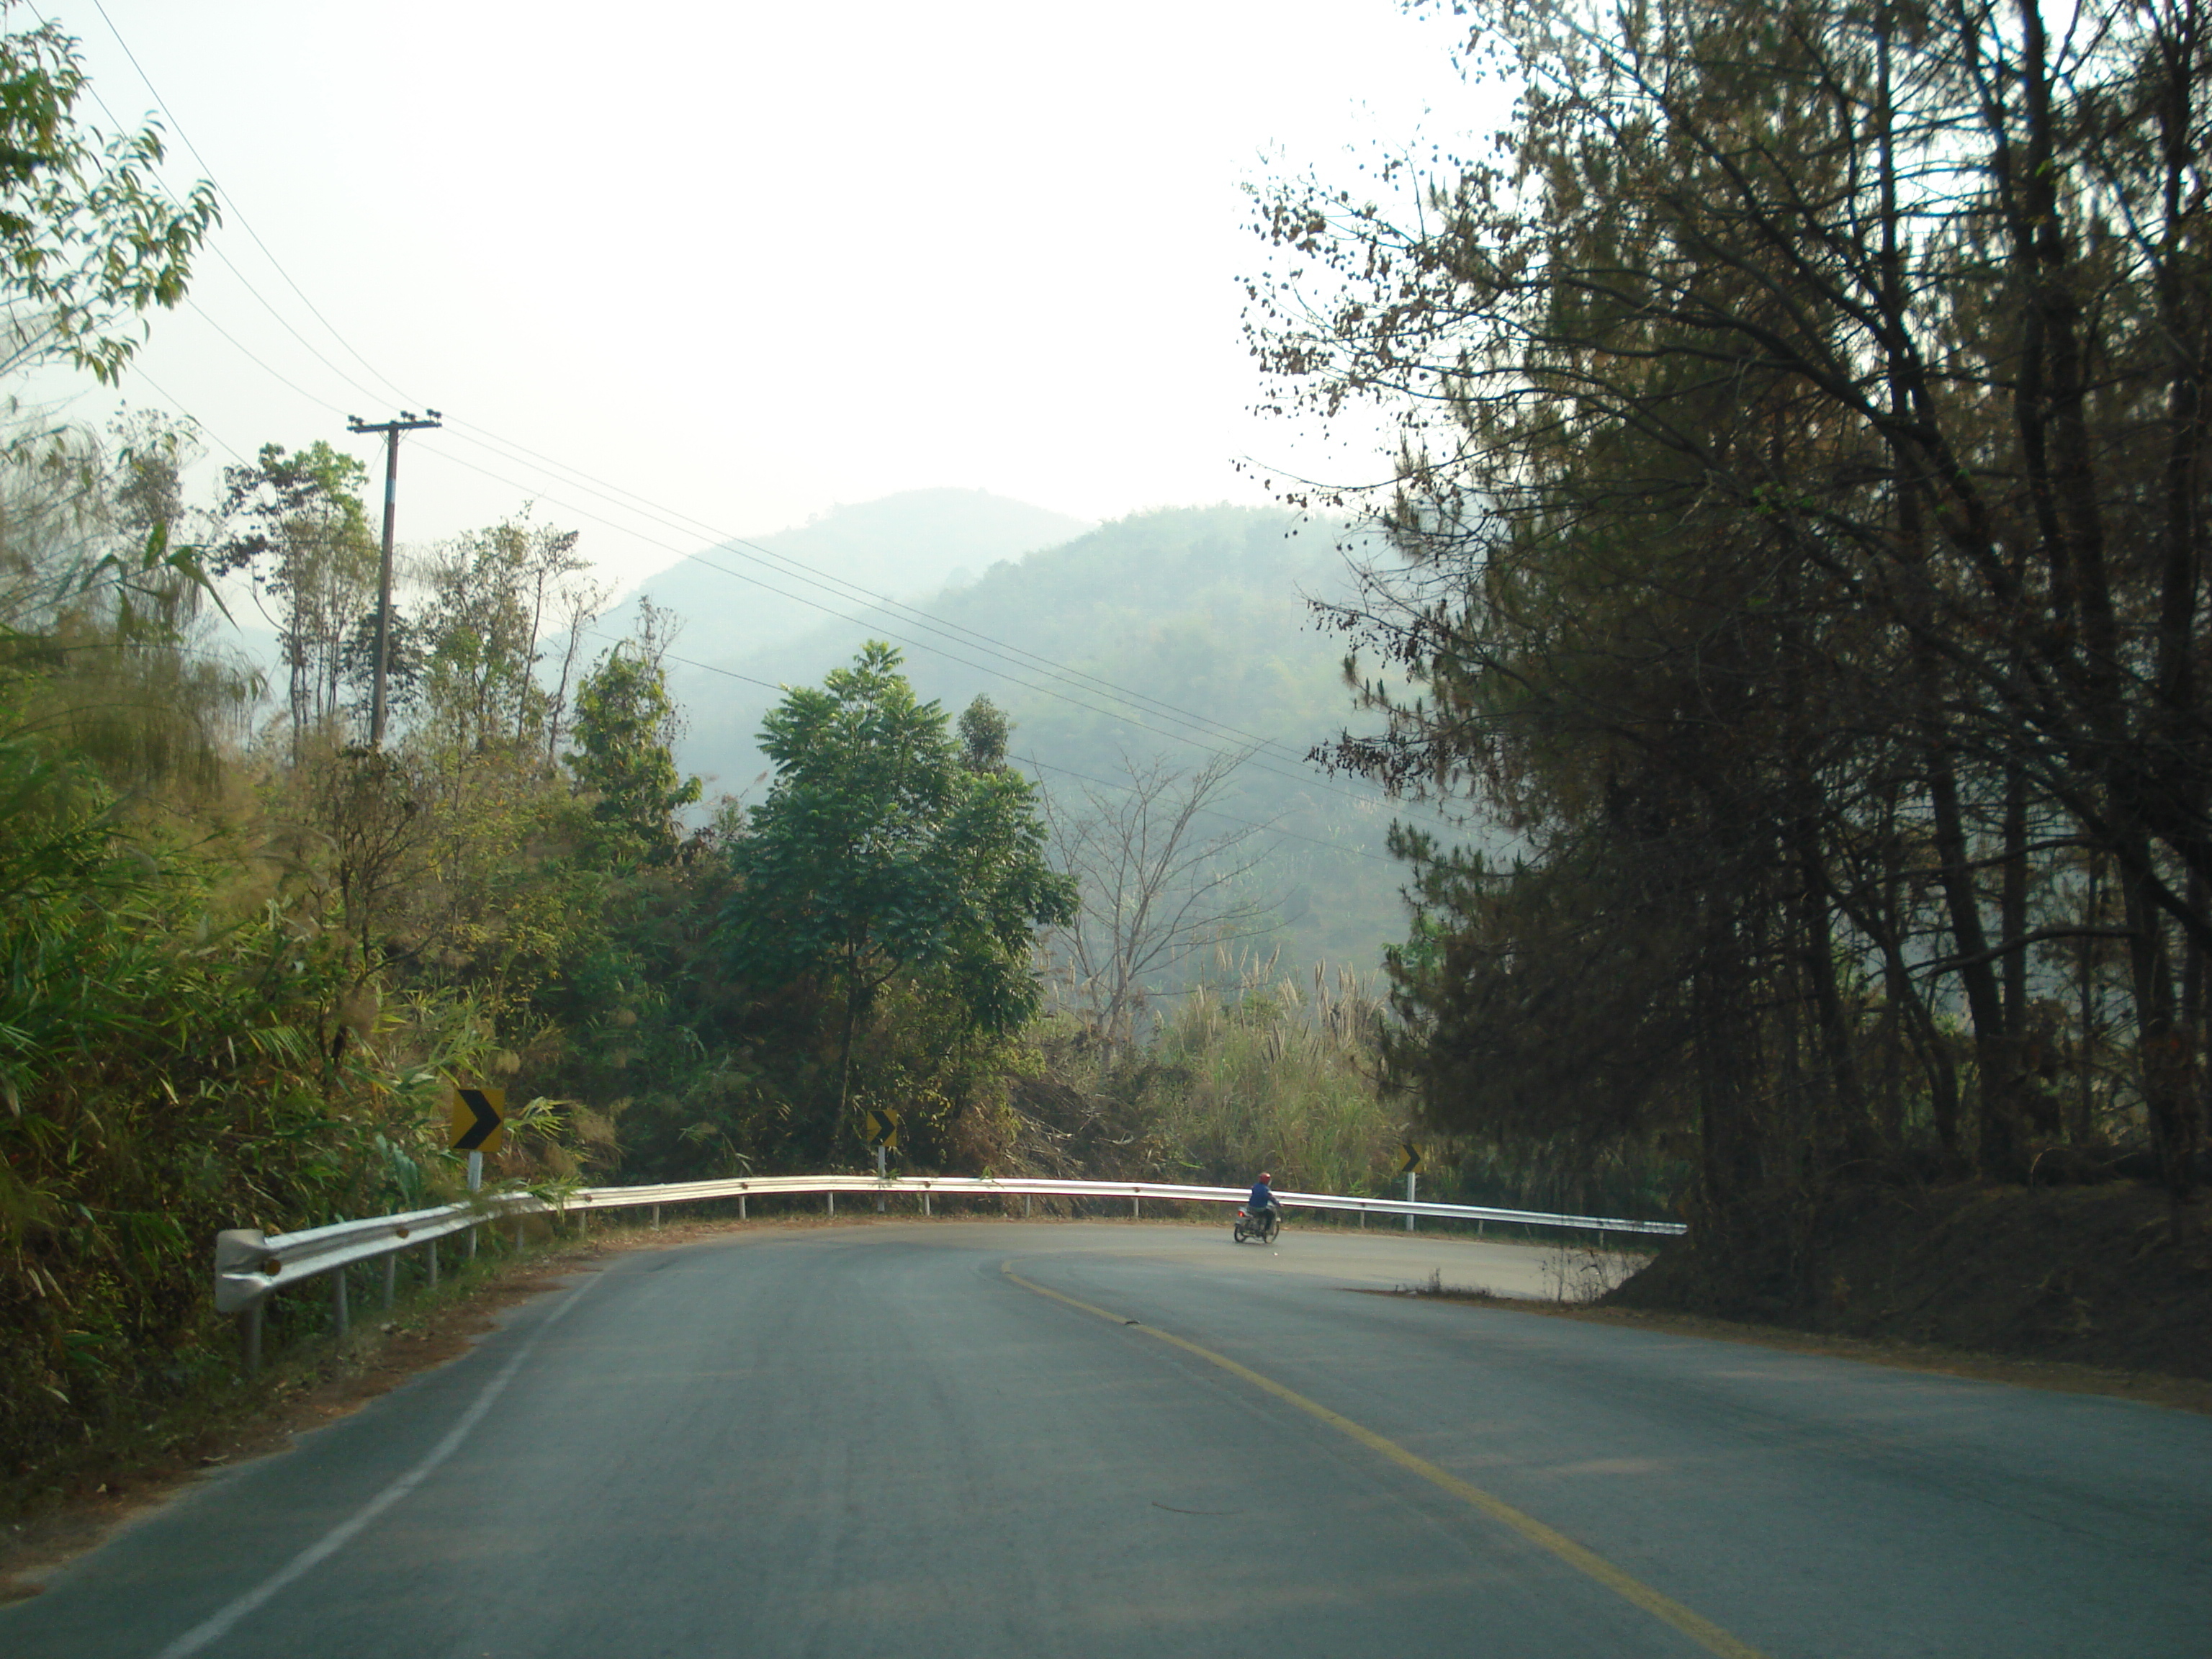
x: 1265, y: 1070
x: 1261, y: 1070
x: 1280, y: 1073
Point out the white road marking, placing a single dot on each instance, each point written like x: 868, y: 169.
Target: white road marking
x: 213, y: 1629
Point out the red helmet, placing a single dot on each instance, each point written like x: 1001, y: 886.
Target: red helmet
x: 1264, y: 1176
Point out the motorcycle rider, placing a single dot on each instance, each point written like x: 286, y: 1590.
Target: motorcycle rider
x: 1261, y: 1205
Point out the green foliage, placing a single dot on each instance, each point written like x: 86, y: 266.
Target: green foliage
x: 1272, y: 1071
x: 983, y: 731
x: 100, y: 609
x: 230, y: 993
x: 496, y: 594
x: 295, y: 524
x: 878, y: 855
x: 1280, y: 1076
x: 167, y: 1069
x: 1202, y: 608
x: 88, y: 238
x: 1293, y: 1073
x: 625, y: 730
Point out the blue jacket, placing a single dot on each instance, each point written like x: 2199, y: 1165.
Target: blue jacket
x: 1262, y: 1196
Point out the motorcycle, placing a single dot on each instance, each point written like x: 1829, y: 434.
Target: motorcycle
x: 1263, y: 1226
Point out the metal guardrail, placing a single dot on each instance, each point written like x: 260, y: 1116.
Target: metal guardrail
x: 1135, y: 1191
x: 250, y: 1266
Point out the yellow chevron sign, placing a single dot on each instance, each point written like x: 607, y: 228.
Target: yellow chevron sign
x: 479, y: 1118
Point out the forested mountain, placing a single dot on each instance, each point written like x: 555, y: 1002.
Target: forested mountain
x: 1152, y: 646
x: 744, y: 596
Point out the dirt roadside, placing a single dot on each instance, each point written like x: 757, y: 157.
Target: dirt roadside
x: 2080, y: 1278
x: 2064, y: 1376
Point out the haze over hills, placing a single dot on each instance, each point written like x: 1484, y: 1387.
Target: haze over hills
x: 742, y: 596
x: 1165, y: 638
x: 1195, y: 615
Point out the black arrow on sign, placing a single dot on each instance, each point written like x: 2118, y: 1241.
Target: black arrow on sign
x: 487, y: 1121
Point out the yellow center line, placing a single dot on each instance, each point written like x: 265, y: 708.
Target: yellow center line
x: 1666, y: 1609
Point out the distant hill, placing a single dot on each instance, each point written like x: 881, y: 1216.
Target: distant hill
x: 741, y: 597
x: 1170, y: 635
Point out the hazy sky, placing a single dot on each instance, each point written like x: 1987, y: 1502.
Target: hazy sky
x: 739, y: 263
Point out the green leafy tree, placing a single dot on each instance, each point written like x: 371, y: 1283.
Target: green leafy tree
x: 88, y: 239
x: 983, y: 732
x: 295, y: 524
x: 625, y: 735
x: 495, y: 595
x: 879, y: 855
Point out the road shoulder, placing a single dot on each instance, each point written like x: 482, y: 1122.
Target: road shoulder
x: 2064, y: 1376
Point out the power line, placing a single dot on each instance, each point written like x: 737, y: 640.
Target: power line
x: 1214, y: 811
x: 782, y: 564
x: 940, y: 651
x: 785, y: 564
x: 795, y: 570
x: 1047, y: 766
x: 293, y: 386
x: 178, y: 127
x: 726, y: 673
x: 179, y: 406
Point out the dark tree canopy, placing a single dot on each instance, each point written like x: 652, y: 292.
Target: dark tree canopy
x: 1801, y: 535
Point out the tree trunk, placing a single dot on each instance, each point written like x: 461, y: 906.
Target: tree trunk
x: 1997, y: 1138
x: 2168, y: 1062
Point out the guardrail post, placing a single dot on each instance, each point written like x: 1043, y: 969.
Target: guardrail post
x: 1025, y: 1206
x: 473, y: 1243
x: 249, y: 1337
x: 1410, y: 1179
x: 391, y: 1277
x: 925, y: 1201
x: 656, y: 1218
x: 518, y: 1232
x: 430, y: 1252
x: 338, y: 1300
x: 741, y: 1206
x: 1135, y: 1212
x: 833, y: 1203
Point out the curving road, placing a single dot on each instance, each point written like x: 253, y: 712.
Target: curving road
x: 985, y: 1439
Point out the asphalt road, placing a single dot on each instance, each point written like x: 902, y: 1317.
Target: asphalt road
x: 949, y: 1438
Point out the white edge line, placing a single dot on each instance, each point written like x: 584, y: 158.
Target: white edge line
x: 219, y: 1623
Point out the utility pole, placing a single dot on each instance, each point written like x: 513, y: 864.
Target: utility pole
x: 408, y: 422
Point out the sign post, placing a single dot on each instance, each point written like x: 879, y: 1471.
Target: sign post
x: 1409, y: 1165
x: 478, y: 1117
x: 880, y: 1127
